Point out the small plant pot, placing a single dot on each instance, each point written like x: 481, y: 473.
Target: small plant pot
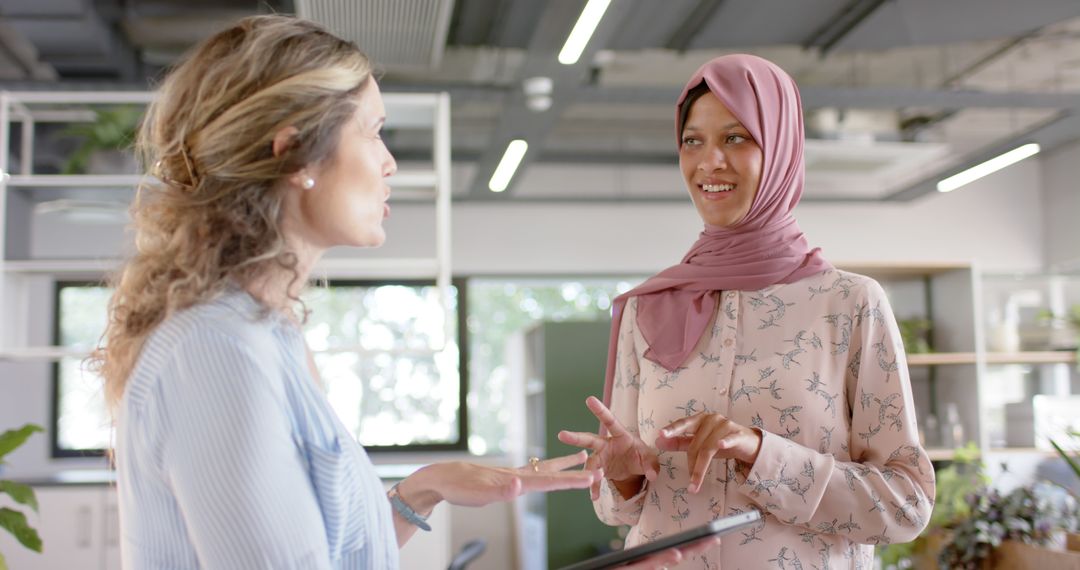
x: 1016, y: 555
x: 927, y: 556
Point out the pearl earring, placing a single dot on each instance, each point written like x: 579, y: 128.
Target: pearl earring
x: 308, y: 183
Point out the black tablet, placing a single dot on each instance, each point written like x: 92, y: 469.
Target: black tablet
x: 715, y: 528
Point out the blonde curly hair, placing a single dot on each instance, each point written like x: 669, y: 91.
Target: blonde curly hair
x: 211, y: 214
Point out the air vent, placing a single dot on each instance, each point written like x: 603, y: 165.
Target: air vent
x: 395, y: 33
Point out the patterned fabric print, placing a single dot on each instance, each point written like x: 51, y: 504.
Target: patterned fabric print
x: 818, y: 366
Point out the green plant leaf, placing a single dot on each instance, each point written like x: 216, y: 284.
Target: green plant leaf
x: 11, y: 439
x: 1072, y: 462
x: 3, y: 563
x: 15, y: 523
x: 23, y: 494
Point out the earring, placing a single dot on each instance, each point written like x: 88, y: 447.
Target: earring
x: 308, y: 183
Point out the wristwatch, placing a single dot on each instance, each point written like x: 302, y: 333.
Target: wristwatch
x: 405, y: 510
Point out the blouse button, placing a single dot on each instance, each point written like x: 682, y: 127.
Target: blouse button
x: 728, y: 342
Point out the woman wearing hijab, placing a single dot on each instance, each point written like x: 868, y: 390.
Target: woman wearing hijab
x: 753, y: 374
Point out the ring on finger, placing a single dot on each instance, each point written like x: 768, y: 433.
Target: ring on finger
x: 534, y: 462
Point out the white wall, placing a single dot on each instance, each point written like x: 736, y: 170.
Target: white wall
x: 1061, y: 183
x: 996, y: 221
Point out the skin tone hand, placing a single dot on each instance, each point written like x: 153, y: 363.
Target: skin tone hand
x: 472, y: 485
x: 622, y: 456
x: 705, y: 437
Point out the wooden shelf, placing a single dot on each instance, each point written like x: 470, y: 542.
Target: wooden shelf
x: 947, y: 358
x: 940, y: 454
x: 940, y: 358
x: 901, y: 270
x: 944, y: 454
x: 1048, y: 357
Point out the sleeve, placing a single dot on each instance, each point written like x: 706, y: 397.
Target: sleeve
x: 611, y: 507
x: 237, y: 475
x: 886, y: 493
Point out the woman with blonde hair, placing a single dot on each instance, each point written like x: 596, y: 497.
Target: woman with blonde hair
x: 266, y: 151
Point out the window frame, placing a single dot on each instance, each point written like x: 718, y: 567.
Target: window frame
x: 58, y: 452
x: 461, y: 337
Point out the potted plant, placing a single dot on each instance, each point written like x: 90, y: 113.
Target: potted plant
x: 1005, y: 531
x: 915, y: 333
x: 105, y: 142
x: 1073, y: 538
x: 12, y: 520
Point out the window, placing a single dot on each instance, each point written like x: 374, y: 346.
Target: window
x: 379, y: 349
x: 82, y: 424
x: 390, y: 365
x: 500, y: 307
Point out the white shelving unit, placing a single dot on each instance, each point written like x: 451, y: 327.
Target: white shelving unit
x: 948, y: 294
x: 404, y: 111
x: 964, y: 372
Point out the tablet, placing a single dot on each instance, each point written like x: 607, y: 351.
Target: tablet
x: 717, y: 527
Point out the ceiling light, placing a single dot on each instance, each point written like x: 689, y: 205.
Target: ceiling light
x: 583, y: 30
x: 989, y: 167
x: 515, y: 151
x: 538, y: 93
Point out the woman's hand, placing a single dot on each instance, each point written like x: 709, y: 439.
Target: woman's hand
x: 472, y: 485
x: 705, y: 437
x: 622, y: 456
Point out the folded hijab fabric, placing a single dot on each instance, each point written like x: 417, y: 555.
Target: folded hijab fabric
x: 765, y: 248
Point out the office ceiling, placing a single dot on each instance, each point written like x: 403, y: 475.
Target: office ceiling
x: 897, y: 92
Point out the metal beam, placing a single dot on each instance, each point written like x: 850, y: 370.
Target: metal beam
x: 858, y: 97
x: 812, y: 97
x: 679, y: 197
x: 553, y: 156
x: 827, y: 36
x: 695, y: 21
x: 517, y: 120
x: 1050, y: 135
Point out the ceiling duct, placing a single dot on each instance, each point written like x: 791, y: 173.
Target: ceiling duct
x: 407, y: 34
x: 19, y: 58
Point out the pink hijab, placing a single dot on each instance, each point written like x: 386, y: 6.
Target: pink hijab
x: 765, y: 248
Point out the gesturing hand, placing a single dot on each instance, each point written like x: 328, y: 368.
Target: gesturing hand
x: 472, y: 485
x: 707, y: 436
x: 621, y: 455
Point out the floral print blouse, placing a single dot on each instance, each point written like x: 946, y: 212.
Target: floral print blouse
x: 816, y: 365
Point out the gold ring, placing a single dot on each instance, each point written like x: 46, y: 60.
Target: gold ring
x: 534, y: 462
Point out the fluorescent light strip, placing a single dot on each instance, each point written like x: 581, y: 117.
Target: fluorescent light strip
x: 583, y: 31
x: 989, y: 167
x: 511, y: 159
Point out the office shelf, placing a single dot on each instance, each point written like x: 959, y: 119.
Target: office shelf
x: 423, y: 111
x: 947, y: 358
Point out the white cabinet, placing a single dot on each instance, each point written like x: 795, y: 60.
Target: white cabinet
x: 79, y: 528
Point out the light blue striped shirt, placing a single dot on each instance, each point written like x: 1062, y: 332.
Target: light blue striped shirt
x: 228, y: 455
